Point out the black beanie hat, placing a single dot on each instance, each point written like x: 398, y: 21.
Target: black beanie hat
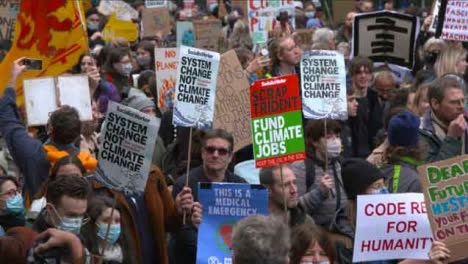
x: 358, y: 175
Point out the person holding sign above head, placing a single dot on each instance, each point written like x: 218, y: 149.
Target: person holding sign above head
x: 217, y: 147
x: 403, y: 153
x: 443, y: 126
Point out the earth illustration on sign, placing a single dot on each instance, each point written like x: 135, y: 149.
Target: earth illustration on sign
x: 223, y: 236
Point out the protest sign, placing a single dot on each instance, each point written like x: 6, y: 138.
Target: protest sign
x: 263, y: 17
x: 277, y: 133
x: 323, y: 79
x: 232, y: 100
x: 435, y: 16
x: 445, y: 187
x: 197, y: 72
x: 122, y: 10
x: 127, y: 143
x: 8, y: 12
x: 241, y: 5
x: 455, y: 20
x: 166, y: 60
x: 156, y: 20
x: 45, y: 95
x: 224, y: 204
x: 207, y: 34
x: 386, y: 37
x: 392, y: 226
x: 185, y: 34
x: 155, y: 3
x: 119, y: 28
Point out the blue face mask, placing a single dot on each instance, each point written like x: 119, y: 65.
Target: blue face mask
x: 310, y: 14
x: 383, y: 190
x: 213, y: 6
x: 92, y: 27
x: 114, y: 232
x: 72, y: 225
x: 15, y: 205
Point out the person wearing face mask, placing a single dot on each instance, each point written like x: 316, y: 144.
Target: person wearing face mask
x: 116, y: 243
x: 92, y: 24
x: 403, y: 153
x: 145, y: 55
x: 117, y: 69
x: 12, y: 211
x: 321, y: 172
x: 312, y: 20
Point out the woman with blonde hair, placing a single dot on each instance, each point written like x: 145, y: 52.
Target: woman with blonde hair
x: 451, y: 60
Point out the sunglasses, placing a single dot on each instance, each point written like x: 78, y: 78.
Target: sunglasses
x: 221, y: 151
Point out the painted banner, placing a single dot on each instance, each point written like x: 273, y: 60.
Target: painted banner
x: 445, y: 187
x: 50, y: 30
x: 277, y: 132
x: 166, y: 60
x: 197, y: 72
x: 262, y: 17
x: 386, y: 37
x: 208, y: 34
x: 122, y: 10
x: 455, y: 25
x: 391, y: 226
x: 46, y: 94
x: 156, y: 20
x: 127, y: 143
x: 155, y: 3
x: 8, y: 12
x: 185, y: 34
x: 232, y: 100
x: 224, y: 204
x: 323, y: 80
x: 119, y: 28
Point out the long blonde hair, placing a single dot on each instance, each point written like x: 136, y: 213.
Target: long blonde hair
x: 447, y: 61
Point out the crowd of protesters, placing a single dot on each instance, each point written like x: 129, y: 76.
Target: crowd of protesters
x: 53, y: 210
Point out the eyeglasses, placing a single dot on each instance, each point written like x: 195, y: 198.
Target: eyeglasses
x: 221, y: 151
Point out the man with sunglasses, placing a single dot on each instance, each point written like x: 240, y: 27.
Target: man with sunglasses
x: 216, y: 153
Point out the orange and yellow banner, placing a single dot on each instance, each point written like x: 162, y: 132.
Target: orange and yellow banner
x: 51, y: 30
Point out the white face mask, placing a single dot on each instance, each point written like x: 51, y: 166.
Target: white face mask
x: 334, y: 148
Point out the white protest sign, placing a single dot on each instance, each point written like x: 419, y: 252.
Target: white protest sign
x: 391, y: 226
x: 166, y: 60
x: 435, y: 16
x: 155, y: 3
x: 262, y: 17
x: 123, y: 10
x: 195, y: 88
x: 387, y: 37
x: 456, y: 21
x: 127, y: 143
x: 44, y: 95
x: 323, y: 79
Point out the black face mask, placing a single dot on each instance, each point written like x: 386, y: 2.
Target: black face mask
x: 430, y: 57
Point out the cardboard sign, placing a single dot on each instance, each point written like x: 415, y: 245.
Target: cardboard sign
x: 232, y: 100
x: 197, y: 72
x: 323, y: 79
x: 156, y: 20
x: 445, y: 187
x: 386, y: 37
x: 127, y: 143
x: 8, y: 12
x: 122, y: 10
x: 455, y: 25
x: 207, y: 34
x: 262, y: 17
x: 185, y: 34
x: 166, y: 60
x: 155, y: 3
x: 435, y: 16
x: 45, y: 95
x: 119, y: 28
x: 391, y: 226
x: 277, y: 133
x: 224, y: 204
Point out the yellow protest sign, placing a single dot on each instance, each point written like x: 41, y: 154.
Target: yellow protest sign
x: 119, y: 28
